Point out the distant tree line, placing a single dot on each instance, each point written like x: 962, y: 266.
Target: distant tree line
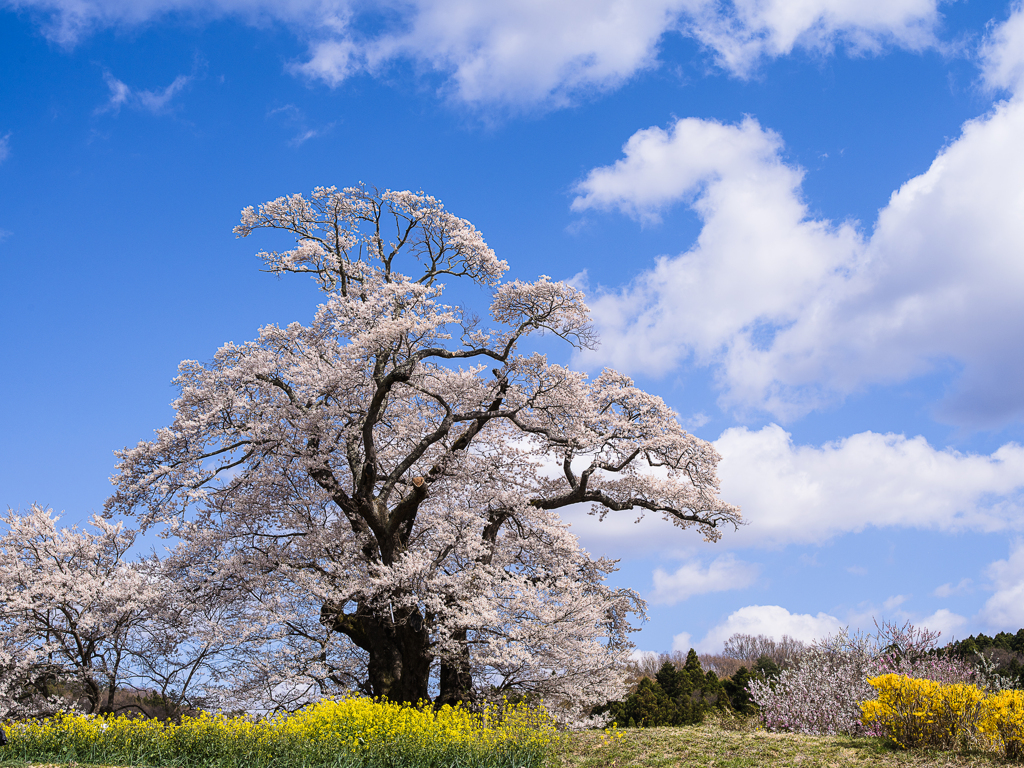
x: 1005, y: 652
x: 673, y: 689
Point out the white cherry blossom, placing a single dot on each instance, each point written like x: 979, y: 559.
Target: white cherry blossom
x: 369, y: 490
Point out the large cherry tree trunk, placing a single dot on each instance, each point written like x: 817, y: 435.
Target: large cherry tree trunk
x: 399, y: 650
x: 456, y: 681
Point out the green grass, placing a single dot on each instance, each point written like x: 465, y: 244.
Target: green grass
x: 729, y: 744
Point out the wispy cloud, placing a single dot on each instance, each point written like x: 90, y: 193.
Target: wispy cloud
x: 895, y: 601
x: 5, y: 146
x: 153, y: 101
x: 947, y: 590
x: 722, y: 574
x: 294, y: 117
x: 156, y: 101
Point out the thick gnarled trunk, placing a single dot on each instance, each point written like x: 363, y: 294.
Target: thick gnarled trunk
x: 456, y: 679
x: 399, y: 650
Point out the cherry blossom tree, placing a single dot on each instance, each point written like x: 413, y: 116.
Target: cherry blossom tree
x: 24, y: 675
x: 69, y: 600
x: 81, y: 618
x: 380, y: 488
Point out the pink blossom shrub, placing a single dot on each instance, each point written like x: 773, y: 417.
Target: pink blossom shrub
x: 822, y: 692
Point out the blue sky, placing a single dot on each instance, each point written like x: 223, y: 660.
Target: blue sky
x: 802, y: 225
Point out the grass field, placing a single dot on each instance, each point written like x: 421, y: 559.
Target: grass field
x: 715, y: 745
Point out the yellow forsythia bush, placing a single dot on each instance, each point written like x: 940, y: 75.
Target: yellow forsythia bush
x: 1003, y: 722
x: 351, y: 732
x: 924, y: 713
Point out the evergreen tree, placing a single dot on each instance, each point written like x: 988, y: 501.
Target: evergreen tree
x: 738, y: 692
x: 673, y: 681
x: 647, y: 706
x: 693, y: 664
x: 767, y: 668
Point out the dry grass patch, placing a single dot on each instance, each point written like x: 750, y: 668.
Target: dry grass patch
x: 714, y: 746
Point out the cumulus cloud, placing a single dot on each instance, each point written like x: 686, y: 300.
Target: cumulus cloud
x: 803, y: 493
x: 808, y: 494
x: 722, y: 574
x: 151, y: 101
x: 525, y: 51
x: 944, y: 622
x: 660, y: 167
x: 1006, y: 606
x: 681, y: 642
x: 773, y: 621
x: 528, y: 52
x: 793, y: 312
x: 1002, y: 54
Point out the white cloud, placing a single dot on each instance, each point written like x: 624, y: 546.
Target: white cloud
x: 807, y: 494
x: 944, y: 622
x: 296, y: 118
x: 682, y: 642
x: 151, y: 101
x: 771, y: 620
x: 529, y: 51
x: 744, y: 32
x: 5, y: 147
x: 723, y: 573
x: 640, y: 656
x: 1002, y: 54
x: 156, y: 101
x: 803, y: 493
x: 662, y: 167
x: 119, y: 93
x: 1005, y: 609
x: 525, y: 51
x: 794, y: 312
x: 947, y: 590
x: 895, y: 601
x: 332, y: 61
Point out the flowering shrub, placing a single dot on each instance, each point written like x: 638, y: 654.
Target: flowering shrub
x: 348, y: 732
x: 1003, y: 722
x: 924, y: 713
x: 822, y: 691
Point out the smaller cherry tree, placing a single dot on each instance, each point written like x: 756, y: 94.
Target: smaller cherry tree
x: 72, y: 596
x: 80, y: 617
x: 24, y: 679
